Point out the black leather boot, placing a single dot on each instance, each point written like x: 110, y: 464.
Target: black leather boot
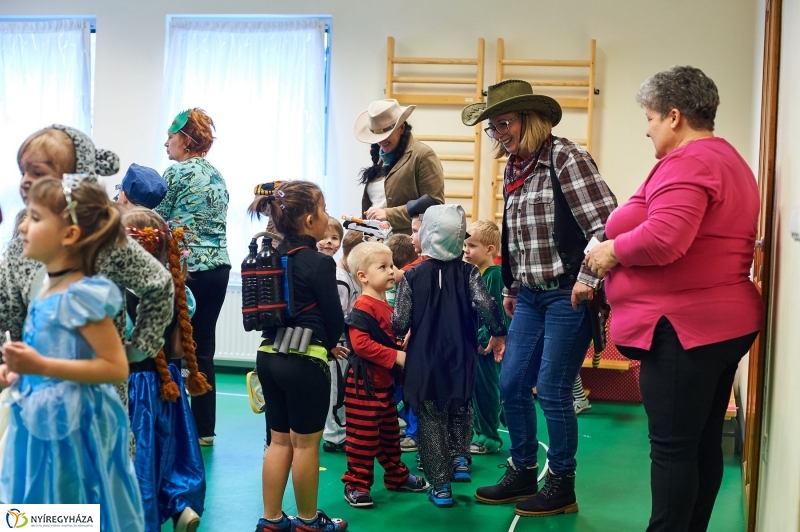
x: 556, y: 497
x: 515, y: 485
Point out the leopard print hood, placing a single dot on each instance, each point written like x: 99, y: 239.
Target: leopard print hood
x: 88, y: 159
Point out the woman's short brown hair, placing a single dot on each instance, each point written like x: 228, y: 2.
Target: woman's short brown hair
x: 200, y: 130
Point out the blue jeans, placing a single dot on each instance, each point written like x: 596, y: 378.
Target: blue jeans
x: 546, y: 345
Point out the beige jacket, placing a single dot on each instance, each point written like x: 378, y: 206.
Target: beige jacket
x: 418, y: 172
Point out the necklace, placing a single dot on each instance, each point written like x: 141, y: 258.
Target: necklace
x: 63, y: 276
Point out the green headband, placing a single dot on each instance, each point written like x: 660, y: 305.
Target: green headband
x: 179, y: 122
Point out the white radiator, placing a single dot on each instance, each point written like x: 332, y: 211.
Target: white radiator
x: 235, y: 347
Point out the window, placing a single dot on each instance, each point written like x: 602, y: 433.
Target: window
x: 264, y: 83
x: 45, y: 78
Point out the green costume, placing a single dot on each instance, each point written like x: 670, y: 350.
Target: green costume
x: 486, y: 401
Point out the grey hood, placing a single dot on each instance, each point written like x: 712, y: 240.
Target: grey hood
x: 442, y: 232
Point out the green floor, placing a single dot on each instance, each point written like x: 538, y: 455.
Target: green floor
x: 612, y: 486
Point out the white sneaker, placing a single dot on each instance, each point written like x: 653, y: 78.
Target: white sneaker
x: 408, y: 445
x: 189, y: 521
x: 582, y: 406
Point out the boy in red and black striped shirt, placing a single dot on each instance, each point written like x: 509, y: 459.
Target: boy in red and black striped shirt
x: 371, y: 412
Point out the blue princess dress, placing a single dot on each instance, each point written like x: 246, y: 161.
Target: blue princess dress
x: 169, y: 464
x: 68, y: 442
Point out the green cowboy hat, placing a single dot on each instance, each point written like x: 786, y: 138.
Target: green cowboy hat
x: 511, y: 95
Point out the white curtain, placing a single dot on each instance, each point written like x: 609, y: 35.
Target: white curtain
x: 263, y: 84
x: 44, y: 79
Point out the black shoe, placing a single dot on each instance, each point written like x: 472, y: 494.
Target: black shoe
x: 330, y: 447
x: 516, y: 484
x: 556, y: 497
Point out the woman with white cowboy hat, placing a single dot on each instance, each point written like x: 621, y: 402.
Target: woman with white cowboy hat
x: 555, y: 200
x: 402, y: 170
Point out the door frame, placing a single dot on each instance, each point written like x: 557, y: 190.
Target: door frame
x: 762, y: 262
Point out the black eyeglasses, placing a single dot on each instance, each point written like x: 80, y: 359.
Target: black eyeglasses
x: 501, y: 127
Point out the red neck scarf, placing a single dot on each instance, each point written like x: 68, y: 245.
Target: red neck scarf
x: 519, y: 169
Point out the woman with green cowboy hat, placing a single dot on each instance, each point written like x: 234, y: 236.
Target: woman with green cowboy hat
x: 197, y: 198
x: 555, y: 200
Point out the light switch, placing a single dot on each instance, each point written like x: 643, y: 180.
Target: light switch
x: 794, y: 223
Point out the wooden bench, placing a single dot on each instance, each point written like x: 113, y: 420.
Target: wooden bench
x: 730, y: 413
x: 618, y: 365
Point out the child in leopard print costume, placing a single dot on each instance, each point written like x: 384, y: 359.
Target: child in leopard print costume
x: 53, y: 152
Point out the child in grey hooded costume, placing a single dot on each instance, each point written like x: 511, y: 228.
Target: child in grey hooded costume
x: 441, y: 301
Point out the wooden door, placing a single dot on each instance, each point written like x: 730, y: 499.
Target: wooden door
x: 762, y: 263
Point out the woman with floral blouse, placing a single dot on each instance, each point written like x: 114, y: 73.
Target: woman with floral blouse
x: 197, y: 199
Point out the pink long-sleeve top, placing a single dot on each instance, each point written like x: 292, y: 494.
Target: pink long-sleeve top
x: 685, y: 242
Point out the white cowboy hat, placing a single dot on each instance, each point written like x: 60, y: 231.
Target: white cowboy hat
x: 379, y: 120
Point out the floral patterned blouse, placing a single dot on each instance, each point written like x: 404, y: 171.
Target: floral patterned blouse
x: 197, y: 198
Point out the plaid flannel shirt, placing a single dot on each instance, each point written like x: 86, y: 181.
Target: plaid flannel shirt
x: 530, y: 213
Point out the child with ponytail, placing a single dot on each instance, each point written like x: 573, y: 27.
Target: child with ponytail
x: 169, y: 465
x: 67, y: 440
x: 297, y: 386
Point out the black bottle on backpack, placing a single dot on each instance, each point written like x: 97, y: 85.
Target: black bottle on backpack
x: 269, y: 271
x: 250, y: 312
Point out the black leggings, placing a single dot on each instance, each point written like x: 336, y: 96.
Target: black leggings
x: 297, y: 391
x: 685, y: 394
x: 209, y: 289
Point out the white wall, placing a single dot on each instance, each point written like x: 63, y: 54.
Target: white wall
x: 758, y: 65
x: 779, y: 486
x: 635, y: 39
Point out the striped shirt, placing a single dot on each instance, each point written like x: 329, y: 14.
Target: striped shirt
x: 530, y: 213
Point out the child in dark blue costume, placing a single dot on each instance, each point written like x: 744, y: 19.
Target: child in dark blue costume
x: 437, y: 300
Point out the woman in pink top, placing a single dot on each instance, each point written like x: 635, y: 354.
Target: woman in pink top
x: 677, y: 260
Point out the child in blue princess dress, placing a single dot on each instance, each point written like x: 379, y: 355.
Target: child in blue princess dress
x: 169, y: 466
x: 68, y: 436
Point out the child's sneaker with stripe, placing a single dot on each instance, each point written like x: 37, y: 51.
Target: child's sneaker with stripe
x: 441, y: 495
x: 414, y: 483
x: 284, y: 524
x: 321, y: 523
x: 358, y: 498
x: 461, y: 470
